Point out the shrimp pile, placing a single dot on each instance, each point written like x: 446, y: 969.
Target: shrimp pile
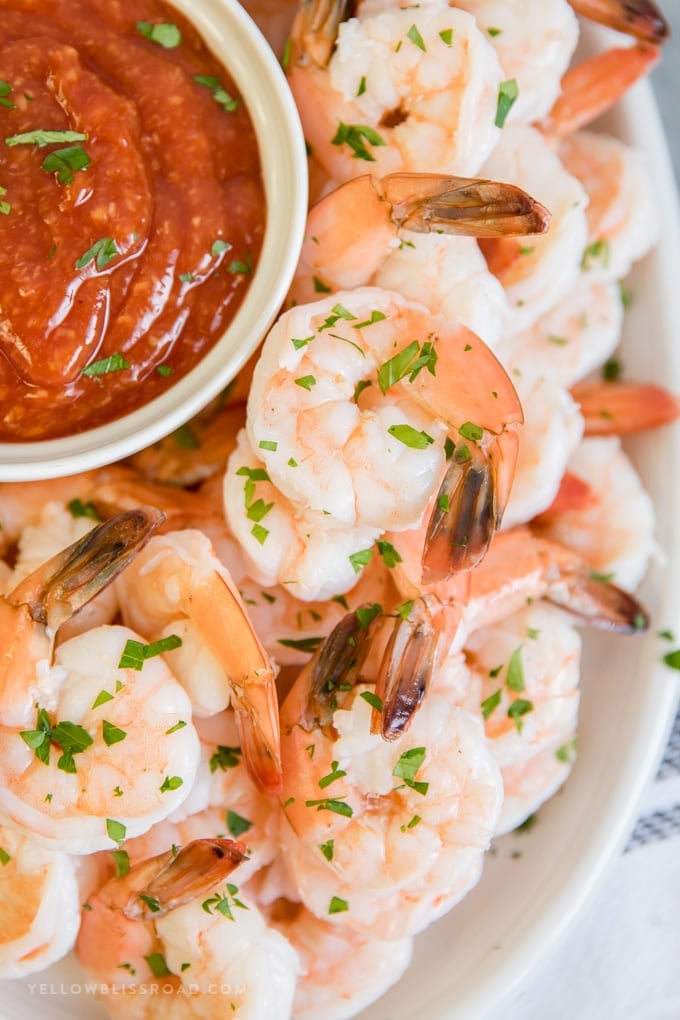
x: 271, y: 688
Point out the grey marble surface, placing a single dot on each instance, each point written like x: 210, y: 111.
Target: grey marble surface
x: 666, y: 84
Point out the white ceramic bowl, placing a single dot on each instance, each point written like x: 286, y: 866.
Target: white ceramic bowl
x: 233, y: 37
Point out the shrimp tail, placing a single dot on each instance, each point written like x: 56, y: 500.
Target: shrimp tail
x: 315, y: 29
x: 63, y: 585
x: 177, y: 877
x: 406, y: 668
x: 336, y: 665
x: 592, y: 87
x: 598, y: 603
x: 639, y: 18
x: 621, y: 408
x: 469, y: 507
x: 460, y: 205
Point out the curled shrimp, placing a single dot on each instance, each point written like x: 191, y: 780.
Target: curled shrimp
x: 527, y: 669
x: 402, y: 89
x: 173, y: 917
x: 391, y: 210
x: 179, y: 586
x: 387, y: 834
x: 622, y: 222
x: 343, y: 971
x: 40, y: 906
x: 612, y: 526
x: 575, y: 337
x: 537, y: 271
x: 350, y: 416
x: 92, y: 747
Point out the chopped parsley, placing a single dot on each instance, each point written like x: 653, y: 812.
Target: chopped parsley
x: 517, y: 709
x: 598, y: 251
x: 115, y: 830
x: 357, y: 137
x: 5, y: 857
x: 306, y: 382
x: 408, y: 362
x: 114, y: 363
x: 101, y: 699
x: 407, y: 767
x: 171, y: 783
x: 77, y: 509
x: 219, y: 93
x: 5, y: 92
x: 165, y: 34
x: 446, y: 36
x: 101, y: 253
x: 373, y: 700
x: 237, y: 824
x: 416, y: 38
x: 310, y: 644
x: 567, y: 752
x: 122, y: 861
x: 410, y: 437
x: 332, y: 776
x: 157, y: 964
x: 112, y: 734
x: 360, y: 559
x: 225, y: 758
x: 469, y: 430
x: 515, y: 677
x: 507, y: 94
x: 327, y: 849
x: 491, y: 703
x: 71, y: 739
x: 243, y: 267
x: 65, y: 162
x: 136, y: 653
x: 337, y: 905
x: 338, y: 807
x: 388, y: 553
x: 41, y: 138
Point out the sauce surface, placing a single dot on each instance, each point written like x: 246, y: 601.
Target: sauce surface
x: 131, y: 209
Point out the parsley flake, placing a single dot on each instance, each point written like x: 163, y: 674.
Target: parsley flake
x: 491, y: 703
x: 65, y: 162
x: 135, y: 653
x: 237, y: 824
x: 357, y: 136
x: 101, y: 253
x: 114, y: 363
x: 410, y: 437
x: 337, y: 905
x: 416, y: 38
x: 507, y: 94
x: 407, y: 767
x: 166, y: 35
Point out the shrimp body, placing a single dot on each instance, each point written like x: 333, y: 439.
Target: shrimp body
x: 451, y: 276
x: 614, y: 527
x: 394, y: 852
x: 538, y: 651
x: 535, y: 41
x: 621, y: 214
x: 537, y: 271
x: 174, y: 913
x: 179, y: 586
x: 40, y: 910
x: 343, y: 970
x: 133, y: 772
x: 553, y: 427
x: 575, y: 337
x: 351, y: 440
x: 530, y: 783
x: 403, y: 90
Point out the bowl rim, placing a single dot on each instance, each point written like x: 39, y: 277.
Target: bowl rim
x: 234, y: 38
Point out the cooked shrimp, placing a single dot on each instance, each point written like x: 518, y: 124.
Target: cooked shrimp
x: 622, y: 221
x: 387, y: 834
x: 528, y: 668
x: 535, y: 41
x: 172, y: 917
x: 614, y: 527
x: 56, y: 528
x: 348, y: 457
x: 343, y: 971
x: 577, y: 336
x: 39, y: 905
x: 537, y: 271
x: 178, y: 585
x: 224, y: 802
x: 90, y: 748
x: 553, y: 427
x: 393, y: 211
x: 529, y: 784
x: 413, y: 89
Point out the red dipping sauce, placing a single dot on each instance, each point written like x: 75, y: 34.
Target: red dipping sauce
x: 132, y: 209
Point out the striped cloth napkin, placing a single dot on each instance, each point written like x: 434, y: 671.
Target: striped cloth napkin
x: 621, y: 961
